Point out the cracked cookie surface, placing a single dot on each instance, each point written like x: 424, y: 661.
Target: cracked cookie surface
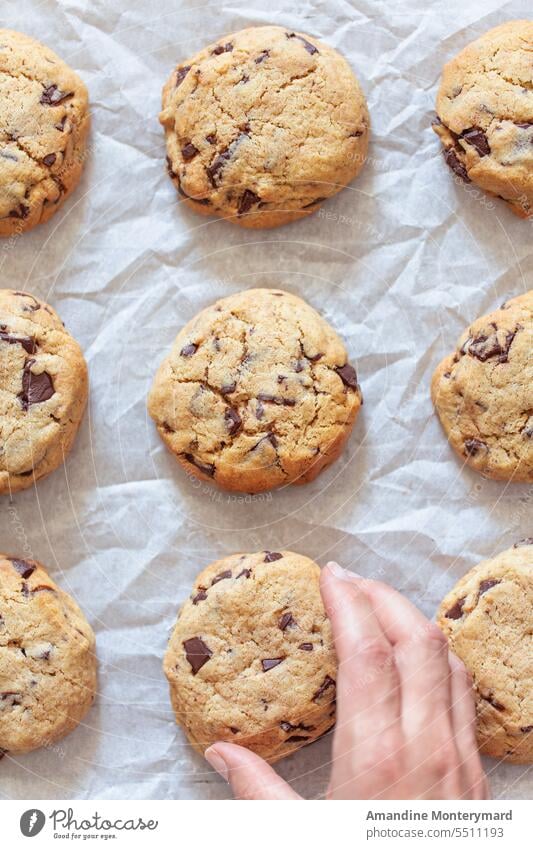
x: 483, y: 392
x: 262, y: 126
x: 257, y: 392
x: 43, y: 390
x: 47, y: 658
x: 485, y: 114
x: 251, y: 659
x: 488, y: 621
x: 44, y: 121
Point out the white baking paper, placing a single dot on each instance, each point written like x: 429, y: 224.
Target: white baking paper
x: 399, y: 263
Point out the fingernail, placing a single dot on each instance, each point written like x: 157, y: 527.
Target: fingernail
x: 340, y: 573
x: 217, y: 762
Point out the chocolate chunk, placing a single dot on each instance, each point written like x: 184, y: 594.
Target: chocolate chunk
x: 474, y: 446
x: 52, y: 95
x: 233, y: 421
x: 181, y: 73
x: 244, y: 574
x: 211, y: 138
x: 201, y: 595
x: 22, y: 211
x: 270, y: 556
x: 201, y: 201
x: 492, y: 701
x: 288, y: 726
x: 525, y: 541
x: 276, y: 399
x: 189, y: 350
x: 348, y: 375
x: 287, y: 621
x: 222, y: 159
x: 11, y: 698
x: 206, y: 468
x: 259, y: 410
x: 222, y: 48
x: 326, y: 684
x: 485, y: 347
x: 222, y: 576
x: 307, y: 44
x: 61, y: 125
x: 271, y: 662
x: 486, y: 585
x: 270, y: 437
x: 477, y: 138
x: 456, y: 611
x: 28, y: 344
x: 36, y: 388
x: 313, y: 358
x: 526, y: 729
x: 233, y: 729
x: 247, y: 200
x: 49, y: 159
x: 189, y: 151
x: 262, y: 56
x: 455, y: 164
x: 24, y: 568
x: 306, y: 646
x: 197, y: 653
x: 296, y: 738
x: 228, y: 388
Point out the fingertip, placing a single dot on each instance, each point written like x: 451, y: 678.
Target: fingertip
x: 215, y: 759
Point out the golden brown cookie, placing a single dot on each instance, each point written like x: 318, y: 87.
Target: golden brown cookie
x: 47, y: 659
x: 43, y: 390
x: 251, y: 659
x: 483, y: 392
x: 485, y: 114
x: 44, y: 121
x: 263, y: 126
x: 488, y: 619
x: 257, y: 392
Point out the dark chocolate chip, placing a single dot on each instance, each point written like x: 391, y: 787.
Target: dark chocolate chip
x: 525, y: 541
x: 189, y: 151
x: 288, y: 726
x: 276, y: 399
x: 201, y: 595
x: 28, y: 344
x: 52, y: 95
x: 477, y: 138
x: 296, y: 738
x: 222, y: 576
x: 271, y: 662
x: 306, y: 646
x: 22, y: 211
x: 189, y: 350
x: 211, y: 138
x: 228, y: 388
x: 348, y: 375
x: 245, y: 573
x: 36, y: 388
x: 307, y: 44
x: 287, y: 621
x: 526, y: 729
x: 49, y: 159
x: 485, y: 347
x: 233, y: 421
x: 197, y: 653
x: 270, y: 556
x: 487, y: 585
x: 206, y: 468
x: 270, y: 437
x: 181, y: 73
x: 221, y: 160
x: 326, y: 684
x: 492, y: 701
x: 247, y: 200
x: 455, y: 164
x: 24, y: 568
x: 11, y: 698
x: 233, y: 729
x: 474, y: 446
x: 262, y: 56
x: 222, y: 48
x: 456, y: 611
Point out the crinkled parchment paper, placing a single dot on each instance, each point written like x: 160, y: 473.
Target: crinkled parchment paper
x: 398, y: 263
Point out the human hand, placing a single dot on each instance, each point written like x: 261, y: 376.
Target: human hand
x: 405, y: 708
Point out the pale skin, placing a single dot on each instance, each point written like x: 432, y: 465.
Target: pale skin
x: 405, y: 707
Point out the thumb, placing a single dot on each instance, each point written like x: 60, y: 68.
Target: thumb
x: 249, y: 775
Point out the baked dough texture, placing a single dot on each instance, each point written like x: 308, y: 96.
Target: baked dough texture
x: 485, y: 114
x: 488, y: 619
x: 483, y: 392
x: 47, y: 658
x: 251, y: 659
x: 257, y: 392
x: 43, y: 390
x: 44, y: 122
x: 262, y: 126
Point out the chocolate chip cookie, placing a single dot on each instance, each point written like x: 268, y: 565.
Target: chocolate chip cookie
x: 257, y: 392
x: 44, y: 121
x: 251, y: 659
x: 47, y: 659
x: 483, y: 392
x: 262, y: 126
x: 488, y: 619
x: 485, y: 114
x: 43, y: 390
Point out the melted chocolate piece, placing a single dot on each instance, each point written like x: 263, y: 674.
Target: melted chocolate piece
x: 306, y: 646
x: 189, y: 350
x: 270, y: 437
x: 188, y: 152
x: 36, y: 388
x: 28, y: 344
x: 487, y: 585
x: 24, y: 568
x: 270, y: 556
x: 287, y: 621
x: 492, y: 701
x: 296, y: 738
x: 453, y: 162
x: 49, y: 159
x: 307, y: 44
x: 456, y: 611
x: 474, y: 446
x: 271, y: 662
x: 262, y: 56
x: 52, y: 95
x: 477, y: 138
x: 222, y: 576
x: 201, y: 595
x: 348, y: 375
x: 276, y: 399
x: 484, y: 347
x: 526, y: 729
x: 228, y: 388
x: 222, y: 159
x: 247, y: 200
x: 206, y: 468
x: 181, y: 73
x: 245, y: 573
x: 324, y: 687
x: 222, y: 48
x: 233, y: 421
x: 197, y: 653
x: 22, y: 211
